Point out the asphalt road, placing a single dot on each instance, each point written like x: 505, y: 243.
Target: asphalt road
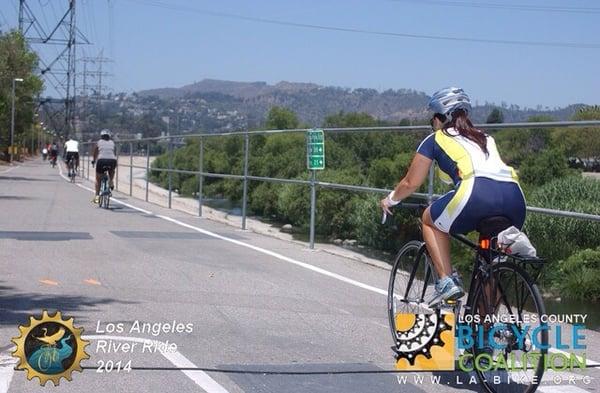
x: 251, y: 303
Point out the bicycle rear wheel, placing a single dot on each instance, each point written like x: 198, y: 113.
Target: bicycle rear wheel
x: 411, y: 281
x: 513, y: 309
x: 72, y: 173
x: 104, y: 193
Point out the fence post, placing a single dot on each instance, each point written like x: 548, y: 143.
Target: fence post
x: 170, y: 174
x: 147, y: 169
x: 88, y: 163
x: 430, y: 186
x: 245, y: 193
x: 117, y: 174
x: 201, y: 178
x: 313, y: 203
x: 130, y: 168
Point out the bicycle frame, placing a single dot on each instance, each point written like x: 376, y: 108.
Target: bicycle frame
x: 481, y: 272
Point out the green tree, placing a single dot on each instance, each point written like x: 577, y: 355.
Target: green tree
x: 17, y: 61
x: 581, y: 145
x: 495, y: 117
x: 581, y: 275
x: 543, y: 167
x: 280, y: 118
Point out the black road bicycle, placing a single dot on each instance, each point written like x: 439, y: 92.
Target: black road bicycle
x: 501, y: 285
x: 105, y: 192
x: 71, y: 165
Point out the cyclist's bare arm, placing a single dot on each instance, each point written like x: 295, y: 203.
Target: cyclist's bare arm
x: 95, y: 154
x: 416, y: 175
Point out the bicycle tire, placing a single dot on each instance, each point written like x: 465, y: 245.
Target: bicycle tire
x: 540, y: 307
x: 104, y: 194
x: 417, y: 248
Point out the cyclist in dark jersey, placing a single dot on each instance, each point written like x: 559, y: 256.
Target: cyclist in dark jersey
x: 53, y: 153
x: 484, y: 185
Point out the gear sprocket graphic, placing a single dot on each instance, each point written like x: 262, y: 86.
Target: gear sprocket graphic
x: 424, y: 333
x: 31, y: 341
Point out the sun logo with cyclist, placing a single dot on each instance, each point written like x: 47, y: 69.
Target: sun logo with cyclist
x: 50, y: 348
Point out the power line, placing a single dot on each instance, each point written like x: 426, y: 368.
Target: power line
x: 4, y: 18
x: 364, y: 31
x: 512, y: 7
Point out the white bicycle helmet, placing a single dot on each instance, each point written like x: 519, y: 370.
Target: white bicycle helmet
x: 105, y: 131
x: 448, y: 100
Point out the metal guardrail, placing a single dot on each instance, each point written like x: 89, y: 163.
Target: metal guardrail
x: 312, y: 182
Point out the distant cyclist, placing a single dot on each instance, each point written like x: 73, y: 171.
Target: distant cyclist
x: 53, y: 153
x: 104, y: 155
x: 72, y: 152
x: 484, y: 186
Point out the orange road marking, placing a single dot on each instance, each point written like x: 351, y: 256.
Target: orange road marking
x: 91, y: 281
x: 48, y: 282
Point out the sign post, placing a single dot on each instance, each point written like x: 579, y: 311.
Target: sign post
x: 315, y: 160
x: 315, y: 150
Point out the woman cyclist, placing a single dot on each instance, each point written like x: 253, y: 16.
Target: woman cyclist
x: 484, y: 185
x: 104, y: 156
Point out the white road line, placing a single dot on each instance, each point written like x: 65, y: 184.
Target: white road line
x: 6, y: 171
x: 589, y: 363
x: 255, y: 248
x: 199, y: 377
x: 7, y: 366
x: 278, y: 256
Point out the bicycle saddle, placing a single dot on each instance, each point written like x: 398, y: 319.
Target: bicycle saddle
x: 492, y: 226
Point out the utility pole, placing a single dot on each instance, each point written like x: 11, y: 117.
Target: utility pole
x: 71, y: 75
x: 21, y: 21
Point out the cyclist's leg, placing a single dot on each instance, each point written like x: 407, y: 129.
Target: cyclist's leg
x: 438, y: 221
x: 438, y: 245
x: 70, y: 162
x: 111, y: 173
x: 98, y: 177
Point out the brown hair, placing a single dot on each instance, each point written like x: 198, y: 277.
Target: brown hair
x: 461, y: 123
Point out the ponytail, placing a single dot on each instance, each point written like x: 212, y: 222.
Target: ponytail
x: 463, y: 125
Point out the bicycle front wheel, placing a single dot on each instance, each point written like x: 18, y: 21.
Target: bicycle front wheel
x: 509, y: 305
x: 411, y: 281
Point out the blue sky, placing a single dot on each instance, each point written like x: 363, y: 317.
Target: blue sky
x: 165, y: 43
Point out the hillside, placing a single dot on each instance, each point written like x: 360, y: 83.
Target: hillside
x: 313, y: 102
x: 223, y: 106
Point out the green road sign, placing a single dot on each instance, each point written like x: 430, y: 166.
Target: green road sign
x: 315, y: 149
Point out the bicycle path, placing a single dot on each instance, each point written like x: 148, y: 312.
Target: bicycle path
x: 256, y: 303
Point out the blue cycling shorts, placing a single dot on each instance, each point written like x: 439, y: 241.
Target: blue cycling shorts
x: 477, y: 198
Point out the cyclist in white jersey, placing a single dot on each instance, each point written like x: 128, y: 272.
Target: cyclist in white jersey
x: 72, y: 151
x: 104, y: 157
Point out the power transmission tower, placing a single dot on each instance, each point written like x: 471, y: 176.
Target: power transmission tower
x: 60, y: 72
x: 95, y: 72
